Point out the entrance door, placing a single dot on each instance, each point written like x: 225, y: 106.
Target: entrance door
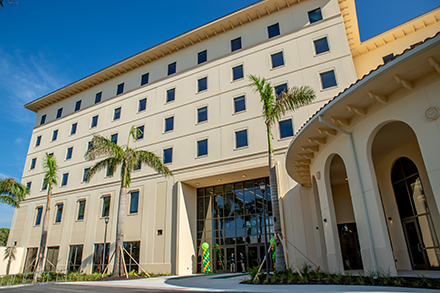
x: 415, y: 246
x: 222, y: 258
x: 255, y: 255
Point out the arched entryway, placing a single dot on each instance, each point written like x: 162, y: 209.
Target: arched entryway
x: 407, y: 197
x: 345, y: 219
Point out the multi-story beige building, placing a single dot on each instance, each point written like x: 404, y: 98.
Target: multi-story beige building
x: 191, y: 98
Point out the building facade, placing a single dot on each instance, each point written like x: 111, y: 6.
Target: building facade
x: 190, y: 96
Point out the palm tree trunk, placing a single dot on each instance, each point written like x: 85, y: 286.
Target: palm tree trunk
x: 280, y: 262
x: 118, y: 269
x: 42, y: 250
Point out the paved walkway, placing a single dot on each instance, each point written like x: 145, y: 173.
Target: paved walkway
x: 231, y: 283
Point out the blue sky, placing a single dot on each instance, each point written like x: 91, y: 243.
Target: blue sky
x: 47, y: 44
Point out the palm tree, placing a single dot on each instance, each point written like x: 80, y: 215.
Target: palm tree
x: 12, y: 192
x: 50, y: 168
x: 274, y: 107
x: 129, y: 159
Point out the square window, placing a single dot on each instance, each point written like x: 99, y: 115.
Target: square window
x: 236, y: 44
x: 59, y: 213
x: 78, y: 105
x: 89, y: 145
x: 315, y: 15
x: 73, y: 128
x: 28, y: 185
x: 81, y: 209
x: 65, y: 178
x: 55, y: 135
x: 38, y: 217
x: 172, y: 68
x: 280, y: 89
x: 114, y: 138
x: 94, y: 121
x: 86, y: 174
x: 44, y: 187
x: 168, y: 156
x: 286, y: 128
x: 107, y: 172
x: 169, y: 124
x: 59, y: 113
x: 202, y: 57
x: 241, y: 139
x: 33, y: 163
x: 134, y: 202
x: 202, y: 114
x: 142, y: 104
x: 38, y: 141
x: 388, y: 58
x: 239, y: 104
x: 171, y: 95
x: 273, y: 30
x: 120, y: 89
x: 98, y: 97
x: 328, y: 79
x: 43, y: 119
x: 237, y: 72
x: 117, y: 114
x: 202, y: 84
x: 138, y: 166
x: 202, y: 148
x: 277, y: 59
x: 321, y: 45
x: 105, y: 206
x: 140, y: 132
x: 69, y: 153
x: 144, y: 78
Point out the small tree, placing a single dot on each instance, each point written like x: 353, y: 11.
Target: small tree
x: 12, y: 192
x: 4, y: 235
x: 128, y: 159
x: 274, y: 108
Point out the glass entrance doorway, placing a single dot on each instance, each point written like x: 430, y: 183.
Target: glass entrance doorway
x: 230, y: 220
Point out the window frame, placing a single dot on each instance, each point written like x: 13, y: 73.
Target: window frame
x: 143, y: 132
x: 165, y: 124
x: 143, y: 106
x: 320, y: 12
x: 114, y: 135
x: 71, y: 128
x: 170, y: 90
x: 102, y: 205
x: 119, y: 115
x: 79, y: 207
x: 38, y: 141
x: 54, y: 135
x: 59, y: 113
x: 198, y: 155
x: 92, y: 125
x: 120, y: 88
x: 98, y: 97
x: 130, y: 202
x: 285, y: 119
x: 43, y: 119
x: 145, y: 76
x: 64, y: 179
x: 277, y: 25
x: 198, y: 57
x: 78, y: 105
x: 198, y: 114
x: 170, y: 67
x: 233, y: 104
x: 236, y: 147
x: 335, y: 76
x: 278, y: 85
x: 163, y: 151
x: 388, y: 58
x: 241, y: 44
x: 198, y: 84
x: 272, y: 59
x: 319, y: 39
x: 57, y: 205
x: 37, y: 208
x: 85, y: 171
x: 67, y: 153
x: 33, y: 164
x: 242, y: 72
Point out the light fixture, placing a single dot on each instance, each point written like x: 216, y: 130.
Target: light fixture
x: 244, y: 175
x: 346, y: 179
x: 197, y: 183
x: 325, y: 220
x: 219, y: 180
x: 390, y: 219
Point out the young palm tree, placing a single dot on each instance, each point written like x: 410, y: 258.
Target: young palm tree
x: 50, y: 168
x: 274, y: 107
x: 12, y: 192
x: 128, y: 159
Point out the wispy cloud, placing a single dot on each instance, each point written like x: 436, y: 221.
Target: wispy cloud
x: 4, y: 176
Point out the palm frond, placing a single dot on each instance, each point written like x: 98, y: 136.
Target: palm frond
x: 152, y: 160
x: 102, y: 147
x: 111, y: 163
x: 50, y: 168
x: 264, y: 88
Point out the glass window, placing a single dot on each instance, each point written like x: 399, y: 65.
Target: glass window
x: 133, y: 249
x: 315, y: 15
x: 169, y: 124
x: 81, y: 209
x: 236, y: 44
x: 98, y: 257
x: 328, y: 79
x: 107, y: 172
x: 69, y: 153
x: 171, y: 95
x: 202, y: 148
x: 237, y: 72
x: 241, y: 139
x: 98, y: 97
x: 202, y: 84
x: 239, y: 104
x: 117, y: 114
x: 73, y: 128
x: 31, y: 256
x: 78, y: 105
x: 168, y: 155
x: 65, y: 178
x: 172, y: 68
x: 51, y: 258
x: 277, y: 59
x: 202, y: 114
x: 138, y: 166
x: 86, y: 174
x: 33, y: 163
x: 38, y: 141
x: 38, y: 216
x: 388, y: 58
x: 89, y: 145
x: 286, y: 128
x: 54, y: 135
x: 59, y: 112
x: 142, y: 104
x: 202, y: 57
x: 321, y: 45
x: 105, y: 206
x: 44, y: 187
x: 94, y: 121
x: 281, y: 89
x: 28, y: 185
x: 59, y: 212
x: 120, y: 89
x: 134, y: 202
x: 144, y: 78
x: 75, y: 257
x: 43, y: 119
x: 273, y: 30
x: 114, y: 138
x: 140, y: 132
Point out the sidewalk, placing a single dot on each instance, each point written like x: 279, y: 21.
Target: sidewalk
x: 231, y: 283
